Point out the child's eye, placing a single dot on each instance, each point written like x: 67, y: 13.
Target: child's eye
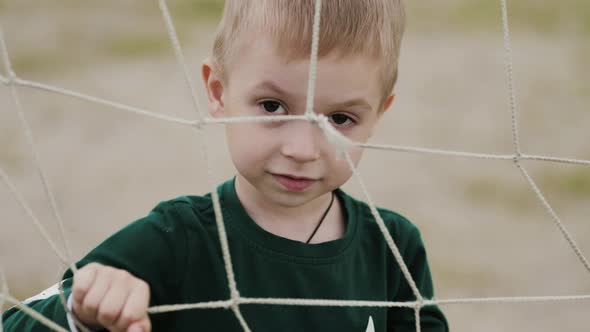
x: 341, y: 120
x: 272, y: 106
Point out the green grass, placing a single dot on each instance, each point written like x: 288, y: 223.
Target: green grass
x: 582, y: 62
x: 571, y: 183
x: 38, y: 62
x: 491, y: 191
x: 545, y: 16
x: 462, y: 279
x: 143, y: 37
x: 542, y: 16
x: 136, y: 46
x: 197, y: 9
x: 12, y: 152
x: 11, y: 159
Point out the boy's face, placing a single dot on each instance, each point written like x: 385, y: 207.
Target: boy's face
x: 268, y: 155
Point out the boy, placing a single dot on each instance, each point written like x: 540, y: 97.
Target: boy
x: 292, y: 232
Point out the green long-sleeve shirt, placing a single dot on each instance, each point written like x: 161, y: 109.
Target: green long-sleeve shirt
x: 176, y: 250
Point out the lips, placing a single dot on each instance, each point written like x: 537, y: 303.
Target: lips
x: 294, y: 177
x: 294, y: 183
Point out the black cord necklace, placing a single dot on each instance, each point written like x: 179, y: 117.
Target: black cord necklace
x: 321, y: 220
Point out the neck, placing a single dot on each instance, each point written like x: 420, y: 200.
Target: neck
x: 293, y: 222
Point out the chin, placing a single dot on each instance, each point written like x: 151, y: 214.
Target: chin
x: 291, y: 199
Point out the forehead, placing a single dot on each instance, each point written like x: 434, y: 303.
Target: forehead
x: 337, y: 76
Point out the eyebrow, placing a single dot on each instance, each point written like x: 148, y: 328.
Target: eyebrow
x: 271, y: 86
x: 360, y: 103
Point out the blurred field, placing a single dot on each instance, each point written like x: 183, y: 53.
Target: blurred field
x: 486, y: 233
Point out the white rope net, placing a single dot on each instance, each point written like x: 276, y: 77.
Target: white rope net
x: 341, y: 143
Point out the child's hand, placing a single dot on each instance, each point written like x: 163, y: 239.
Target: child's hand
x: 103, y: 296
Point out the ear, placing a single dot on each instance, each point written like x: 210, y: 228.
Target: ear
x: 214, y: 87
x: 386, y: 104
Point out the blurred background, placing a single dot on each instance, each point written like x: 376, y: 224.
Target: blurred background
x: 485, y: 231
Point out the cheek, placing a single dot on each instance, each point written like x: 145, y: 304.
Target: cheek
x: 355, y: 155
x: 363, y: 133
x: 340, y: 168
x: 247, y: 145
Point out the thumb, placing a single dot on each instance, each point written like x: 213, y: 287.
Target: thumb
x: 143, y: 325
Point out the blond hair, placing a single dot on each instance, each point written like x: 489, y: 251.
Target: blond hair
x: 347, y: 27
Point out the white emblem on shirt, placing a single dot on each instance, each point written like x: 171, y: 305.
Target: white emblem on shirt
x: 370, y: 326
x: 49, y: 292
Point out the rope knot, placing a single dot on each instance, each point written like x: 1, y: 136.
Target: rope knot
x: 313, y: 117
x: 235, y: 298
x: 10, y: 80
x: 517, y: 157
x: 234, y: 303
x: 198, y: 124
x: 332, y: 135
x: 419, y: 303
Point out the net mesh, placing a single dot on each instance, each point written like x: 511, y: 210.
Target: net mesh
x: 341, y: 143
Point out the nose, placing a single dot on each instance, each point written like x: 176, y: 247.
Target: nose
x: 301, y: 142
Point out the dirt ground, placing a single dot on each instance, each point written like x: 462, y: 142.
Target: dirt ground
x: 486, y: 233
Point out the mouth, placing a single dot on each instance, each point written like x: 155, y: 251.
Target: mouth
x: 293, y: 182
x: 295, y: 177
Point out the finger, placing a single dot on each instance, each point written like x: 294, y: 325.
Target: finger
x: 95, y: 295
x: 82, y: 282
x: 114, y: 300
x: 143, y: 325
x: 136, y: 306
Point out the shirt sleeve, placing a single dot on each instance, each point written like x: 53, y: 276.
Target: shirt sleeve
x: 431, y: 317
x: 152, y: 249
x: 48, y: 303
